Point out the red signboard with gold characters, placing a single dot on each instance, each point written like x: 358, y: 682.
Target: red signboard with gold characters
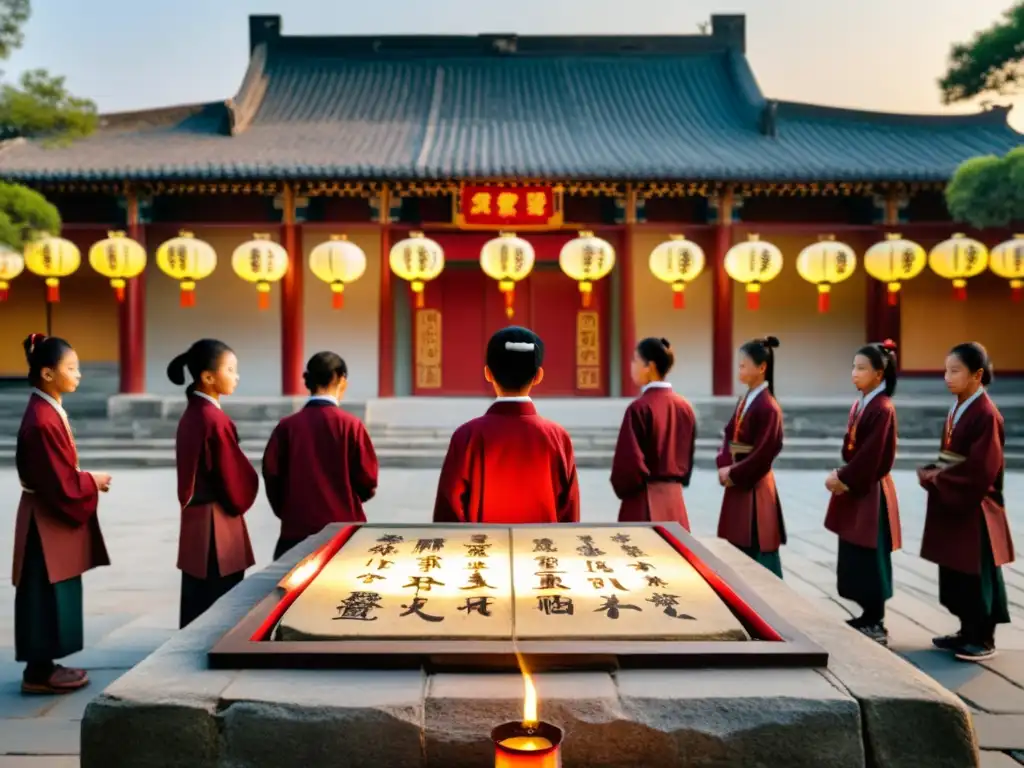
x: 508, y: 207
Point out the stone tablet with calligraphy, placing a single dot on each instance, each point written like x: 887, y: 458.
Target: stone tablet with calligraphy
x: 409, y: 583
x: 630, y: 584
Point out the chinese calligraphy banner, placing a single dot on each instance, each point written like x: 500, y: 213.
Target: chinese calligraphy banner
x: 531, y: 583
x: 588, y: 350
x: 428, y: 349
x: 495, y: 207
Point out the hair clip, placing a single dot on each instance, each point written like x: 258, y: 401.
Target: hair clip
x: 520, y: 346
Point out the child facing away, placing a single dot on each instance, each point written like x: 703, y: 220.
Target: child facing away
x: 510, y: 465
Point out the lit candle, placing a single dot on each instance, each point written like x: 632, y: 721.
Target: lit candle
x: 530, y: 743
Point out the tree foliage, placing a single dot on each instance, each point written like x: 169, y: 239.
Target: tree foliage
x: 991, y: 63
x: 24, y: 215
x: 988, y: 191
x: 39, y: 106
x: 13, y: 15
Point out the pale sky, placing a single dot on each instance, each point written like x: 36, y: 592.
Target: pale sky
x: 871, y: 54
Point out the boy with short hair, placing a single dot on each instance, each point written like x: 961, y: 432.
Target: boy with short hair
x: 510, y: 465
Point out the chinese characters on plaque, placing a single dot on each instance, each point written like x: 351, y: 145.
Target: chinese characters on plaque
x: 515, y: 207
x: 428, y: 349
x: 533, y: 582
x: 588, y: 351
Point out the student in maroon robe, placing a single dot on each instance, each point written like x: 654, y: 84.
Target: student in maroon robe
x: 319, y: 465
x: 216, y: 482
x: 965, y: 530
x: 654, y: 453
x: 57, y: 536
x: 863, y: 510
x: 751, y: 517
x: 510, y: 465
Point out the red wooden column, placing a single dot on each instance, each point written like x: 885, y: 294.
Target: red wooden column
x: 131, y: 319
x: 721, y: 302
x: 627, y: 309
x: 292, y: 319
x: 386, y: 330
x: 882, y: 321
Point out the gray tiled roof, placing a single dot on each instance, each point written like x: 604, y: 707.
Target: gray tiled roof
x: 309, y: 110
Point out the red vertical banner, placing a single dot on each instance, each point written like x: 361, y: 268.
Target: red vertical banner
x: 508, y: 207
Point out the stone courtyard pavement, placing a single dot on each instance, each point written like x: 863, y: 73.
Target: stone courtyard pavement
x: 131, y: 607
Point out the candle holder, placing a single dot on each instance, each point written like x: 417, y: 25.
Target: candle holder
x: 518, y: 745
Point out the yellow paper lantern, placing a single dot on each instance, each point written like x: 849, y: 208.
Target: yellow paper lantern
x: 417, y: 260
x: 958, y: 259
x: 12, y: 264
x: 337, y: 262
x: 677, y: 262
x: 507, y: 259
x: 118, y: 258
x: 52, y: 258
x: 824, y: 264
x: 753, y: 264
x: 894, y: 261
x: 260, y: 261
x: 187, y: 260
x: 1007, y: 261
x: 585, y: 259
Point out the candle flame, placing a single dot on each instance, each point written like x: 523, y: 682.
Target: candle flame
x: 302, y: 574
x: 530, y: 718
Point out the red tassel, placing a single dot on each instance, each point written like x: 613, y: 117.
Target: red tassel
x: 754, y: 300
x: 187, y: 299
x: 3, y: 294
x: 679, y: 300
x: 510, y: 302
x: 53, y: 294
x: 1016, y: 293
x: 264, y: 300
x: 894, y: 298
x: 338, y: 300
x: 119, y: 293
x: 960, y: 293
x: 824, y: 302
x: 586, y: 299
x: 421, y: 300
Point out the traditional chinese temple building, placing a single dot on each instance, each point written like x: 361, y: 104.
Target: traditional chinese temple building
x: 633, y: 138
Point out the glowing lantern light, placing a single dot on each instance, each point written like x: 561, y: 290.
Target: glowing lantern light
x: 1007, y: 261
x: 677, y: 262
x: 260, y: 261
x: 958, y: 259
x: 824, y: 264
x: 585, y: 259
x: 753, y: 264
x: 11, y: 265
x: 894, y: 261
x: 52, y: 258
x: 187, y: 260
x: 338, y: 262
x: 507, y: 259
x: 118, y: 258
x: 417, y: 260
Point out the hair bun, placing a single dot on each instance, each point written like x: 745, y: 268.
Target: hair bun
x: 888, y: 345
x: 771, y: 342
x: 30, y: 343
x: 665, y: 344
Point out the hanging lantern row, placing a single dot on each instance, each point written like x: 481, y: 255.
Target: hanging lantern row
x: 260, y: 261
x: 12, y: 264
x: 118, y: 258
x: 894, y: 261
x: 337, y: 262
x: 824, y: 264
x: 507, y: 259
x: 753, y: 264
x: 187, y: 260
x: 585, y: 259
x: 1007, y: 261
x: 417, y: 260
x: 52, y: 258
x: 677, y: 262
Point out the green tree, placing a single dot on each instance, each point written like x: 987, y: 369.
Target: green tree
x: 991, y: 63
x: 988, y: 191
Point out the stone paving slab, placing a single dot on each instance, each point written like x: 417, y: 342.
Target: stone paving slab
x: 997, y: 760
x: 1003, y: 732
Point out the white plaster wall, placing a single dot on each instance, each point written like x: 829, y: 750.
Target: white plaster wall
x: 226, y: 309
x: 351, y: 332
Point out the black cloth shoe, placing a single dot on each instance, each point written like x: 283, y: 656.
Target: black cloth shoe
x: 949, y: 642
x: 976, y: 652
x: 876, y: 632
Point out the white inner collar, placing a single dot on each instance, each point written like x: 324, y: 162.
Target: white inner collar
x: 958, y: 408
x: 517, y: 399
x: 56, y: 406
x: 206, y: 397
x: 325, y: 398
x: 656, y: 385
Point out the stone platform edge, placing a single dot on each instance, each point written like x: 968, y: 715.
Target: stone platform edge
x: 868, y: 708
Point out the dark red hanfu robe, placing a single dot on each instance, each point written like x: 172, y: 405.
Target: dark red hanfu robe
x: 751, y: 517
x: 966, y: 532
x: 217, y: 485
x: 654, y: 457
x: 867, y: 517
x: 509, y: 466
x: 57, y: 536
x: 318, y: 468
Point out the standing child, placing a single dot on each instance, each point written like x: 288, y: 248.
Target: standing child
x: 863, y: 510
x: 751, y: 517
x: 965, y: 529
x: 216, y: 482
x: 510, y: 465
x: 57, y: 536
x: 654, y: 453
x: 319, y: 466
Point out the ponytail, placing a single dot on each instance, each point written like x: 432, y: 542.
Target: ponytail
x: 202, y: 356
x: 762, y: 352
x: 42, y: 351
x: 883, y: 358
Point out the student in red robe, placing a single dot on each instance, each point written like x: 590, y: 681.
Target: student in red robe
x: 654, y: 453
x: 863, y: 510
x: 319, y: 465
x: 965, y: 530
x: 57, y: 536
x: 751, y: 517
x: 510, y: 465
x: 216, y: 482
